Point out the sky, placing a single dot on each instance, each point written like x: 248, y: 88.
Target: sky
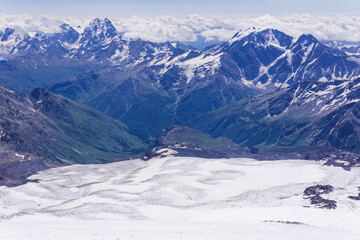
x: 119, y: 8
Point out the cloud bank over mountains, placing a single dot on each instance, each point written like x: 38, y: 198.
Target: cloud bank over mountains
x: 191, y: 28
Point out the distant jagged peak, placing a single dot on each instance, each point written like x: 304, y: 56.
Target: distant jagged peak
x: 66, y: 27
x: 39, y: 36
x: 262, y: 37
x: 10, y: 35
x: 100, y: 26
x: 307, y: 36
x: 99, y: 31
x: 307, y: 43
x: 306, y: 39
x: 68, y: 34
x: 242, y: 33
x: 4, y: 35
x: 101, y: 22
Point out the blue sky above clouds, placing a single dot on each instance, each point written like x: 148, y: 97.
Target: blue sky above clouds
x: 114, y: 8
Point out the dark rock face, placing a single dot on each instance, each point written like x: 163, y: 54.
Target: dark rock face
x: 187, y: 142
x: 314, y: 194
x: 318, y: 189
x: 15, y: 173
x: 356, y: 198
x: 323, y: 203
x: 46, y: 130
x: 343, y: 159
x: 23, y: 130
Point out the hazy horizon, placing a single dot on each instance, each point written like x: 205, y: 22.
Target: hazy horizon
x: 195, y: 27
x: 118, y: 8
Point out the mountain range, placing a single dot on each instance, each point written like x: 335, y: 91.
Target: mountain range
x: 304, y: 114
x: 262, y: 89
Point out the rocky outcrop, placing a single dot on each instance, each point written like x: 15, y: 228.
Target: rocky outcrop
x: 314, y: 194
x: 187, y: 142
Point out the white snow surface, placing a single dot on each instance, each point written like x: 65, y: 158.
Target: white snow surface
x: 202, y: 65
x: 181, y: 198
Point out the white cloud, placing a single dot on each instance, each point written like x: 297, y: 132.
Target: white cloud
x: 191, y: 27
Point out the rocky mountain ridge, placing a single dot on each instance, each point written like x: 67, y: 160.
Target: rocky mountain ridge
x: 49, y: 130
x: 150, y: 86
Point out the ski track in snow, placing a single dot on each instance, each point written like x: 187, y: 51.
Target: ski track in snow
x: 181, y: 198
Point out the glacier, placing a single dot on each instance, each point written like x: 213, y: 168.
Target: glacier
x: 182, y: 198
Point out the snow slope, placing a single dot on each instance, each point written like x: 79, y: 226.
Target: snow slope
x: 182, y: 198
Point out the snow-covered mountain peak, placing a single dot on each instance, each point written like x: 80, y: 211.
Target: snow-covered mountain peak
x: 262, y: 38
x: 9, y: 39
x: 10, y: 36
x: 306, y: 40
x: 68, y: 34
x: 6, y: 34
x: 99, y: 32
x: 242, y: 34
x: 102, y: 26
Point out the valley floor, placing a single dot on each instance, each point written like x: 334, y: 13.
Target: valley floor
x: 182, y: 198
